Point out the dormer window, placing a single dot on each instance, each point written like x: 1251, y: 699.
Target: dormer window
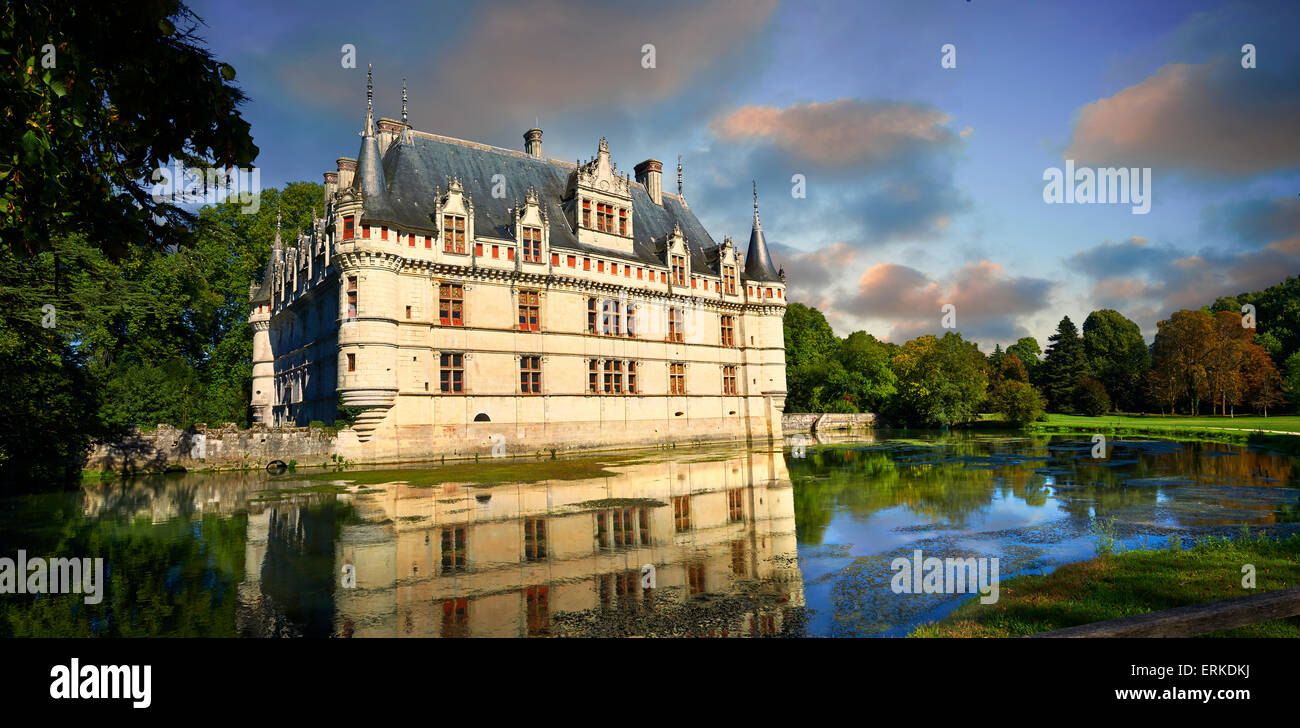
x: 453, y: 233
x: 532, y: 245
x: 729, y: 275
x: 622, y: 221
x: 679, y: 269
x: 586, y: 213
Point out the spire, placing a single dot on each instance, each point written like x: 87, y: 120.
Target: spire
x: 679, y: 175
x: 404, y: 122
x: 277, y: 226
x: 758, y: 262
x: 369, y: 177
x: 370, y: 101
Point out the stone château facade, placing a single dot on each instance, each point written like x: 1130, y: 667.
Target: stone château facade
x: 469, y: 297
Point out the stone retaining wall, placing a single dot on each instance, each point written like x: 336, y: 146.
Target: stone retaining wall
x: 819, y: 422
x: 208, y: 448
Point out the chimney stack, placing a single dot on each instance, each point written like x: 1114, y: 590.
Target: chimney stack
x: 533, y: 142
x: 650, y: 173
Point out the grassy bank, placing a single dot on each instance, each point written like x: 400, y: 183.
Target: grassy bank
x: 1130, y: 583
x: 1281, y: 434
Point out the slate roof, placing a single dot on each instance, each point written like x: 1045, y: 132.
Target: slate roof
x: 417, y: 164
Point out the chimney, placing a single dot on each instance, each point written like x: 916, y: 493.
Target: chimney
x: 388, y: 131
x: 331, y: 186
x: 533, y: 142
x: 650, y: 173
x: 347, y: 167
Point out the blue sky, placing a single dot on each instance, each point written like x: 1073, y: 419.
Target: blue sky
x: 924, y: 184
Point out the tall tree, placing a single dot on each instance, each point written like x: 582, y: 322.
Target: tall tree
x: 1065, y: 363
x: 941, y: 381
x: 98, y: 96
x: 1181, y: 355
x: 1117, y: 356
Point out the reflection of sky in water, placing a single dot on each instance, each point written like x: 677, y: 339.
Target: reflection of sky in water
x: 1150, y: 488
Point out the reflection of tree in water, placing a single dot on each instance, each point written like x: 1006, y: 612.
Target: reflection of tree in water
x: 928, y: 481
x: 959, y: 475
x: 178, y: 578
x: 298, y: 571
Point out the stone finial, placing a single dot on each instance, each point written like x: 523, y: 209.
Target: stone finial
x: 404, y: 121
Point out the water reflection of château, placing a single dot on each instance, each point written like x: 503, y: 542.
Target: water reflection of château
x: 566, y: 557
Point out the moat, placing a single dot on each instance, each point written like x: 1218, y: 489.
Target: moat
x: 718, y: 541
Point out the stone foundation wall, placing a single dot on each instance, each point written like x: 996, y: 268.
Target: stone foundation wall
x: 819, y: 422
x: 227, y: 447
x: 209, y: 448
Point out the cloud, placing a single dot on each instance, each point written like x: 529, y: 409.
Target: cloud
x: 520, y: 59
x: 989, y: 303
x: 1147, y: 282
x: 811, y: 276
x: 846, y: 132
x: 1209, y: 119
x: 875, y: 171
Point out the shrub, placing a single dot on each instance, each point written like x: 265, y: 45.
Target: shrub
x: 1018, y: 402
x: 1090, y: 397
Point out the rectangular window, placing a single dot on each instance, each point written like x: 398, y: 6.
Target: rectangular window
x: 677, y: 378
x: 728, y: 331
x: 349, y: 227
x: 428, y: 242
x: 609, y: 319
x: 682, y: 513
x: 478, y: 249
x: 555, y: 258
x: 622, y: 221
x: 530, y: 316
x: 383, y: 232
x: 352, y: 362
x: 365, y: 231
x: 453, y: 550
x: 586, y: 263
x: 663, y: 277
x: 679, y: 270
x: 695, y: 579
x: 613, y: 376
x: 600, y: 266
x: 451, y: 304
x: 352, y: 296
x: 572, y: 261
x: 638, y: 273
x: 410, y: 240
x: 530, y: 374
x: 455, y: 617
x: 453, y: 233
x: 736, y: 504
x: 624, y: 530
x: 408, y: 312
x: 604, y: 217
x: 768, y: 293
x: 631, y: 377
x: 675, y: 324
x: 496, y: 251
x: 644, y: 525
x: 533, y: 245
x: 538, y: 611
x: 593, y: 376
x: 738, y: 566
x: 729, y: 380
x: 586, y: 213
x: 631, y: 321
x: 591, y: 315
x: 452, y: 373
x: 535, y: 539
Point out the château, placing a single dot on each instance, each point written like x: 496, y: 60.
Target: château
x: 459, y: 297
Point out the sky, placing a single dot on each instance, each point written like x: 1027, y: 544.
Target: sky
x: 900, y: 148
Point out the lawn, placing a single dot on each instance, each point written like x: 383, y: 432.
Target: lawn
x: 1280, y: 423
x: 1130, y: 583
